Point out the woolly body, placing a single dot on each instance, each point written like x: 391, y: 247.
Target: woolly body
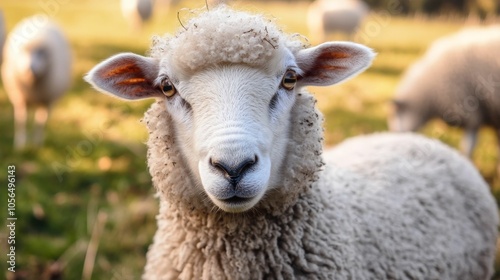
x: 36, y: 71
x: 327, y: 16
x: 381, y: 209
x: 363, y: 216
x: 454, y: 81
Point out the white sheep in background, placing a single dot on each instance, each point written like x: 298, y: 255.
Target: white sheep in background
x: 456, y: 81
x: 3, y: 32
x: 209, y: 3
x: 214, y: 3
x: 36, y: 71
x: 326, y: 17
x: 137, y: 12
x: 235, y: 152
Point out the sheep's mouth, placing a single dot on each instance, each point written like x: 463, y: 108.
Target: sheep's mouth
x: 236, y: 204
x: 236, y: 200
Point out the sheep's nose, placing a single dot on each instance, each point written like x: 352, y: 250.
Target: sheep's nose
x: 233, y: 172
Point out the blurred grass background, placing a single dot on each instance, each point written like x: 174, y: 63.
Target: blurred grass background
x: 91, y: 173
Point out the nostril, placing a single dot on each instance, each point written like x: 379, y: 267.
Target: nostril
x: 219, y: 165
x: 233, y: 171
x: 246, y: 164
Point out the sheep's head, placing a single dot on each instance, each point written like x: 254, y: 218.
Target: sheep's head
x: 410, y: 109
x: 407, y: 115
x: 231, y: 114
x: 32, y: 59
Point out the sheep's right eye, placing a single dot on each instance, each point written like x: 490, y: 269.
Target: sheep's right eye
x: 289, y: 80
x: 167, y: 88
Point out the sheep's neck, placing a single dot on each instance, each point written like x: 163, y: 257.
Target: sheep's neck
x: 224, y: 247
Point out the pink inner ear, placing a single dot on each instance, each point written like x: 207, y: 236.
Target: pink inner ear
x: 332, y: 62
x: 126, y: 78
x: 128, y: 74
x: 328, y: 64
x: 133, y: 81
x: 334, y: 55
x: 124, y: 67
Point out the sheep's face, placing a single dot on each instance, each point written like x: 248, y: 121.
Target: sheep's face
x: 409, y: 111
x: 232, y: 124
x: 407, y: 115
x: 231, y: 120
x: 31, y: 64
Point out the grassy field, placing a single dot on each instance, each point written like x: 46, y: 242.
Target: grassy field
x: 88, y: 187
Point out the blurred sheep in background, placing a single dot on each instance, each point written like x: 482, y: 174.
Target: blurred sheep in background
x: 335, y: 16
x: 137, y: 12
x: 36, y: 71
x: 3, y: 32
x: 457, y: 80
x: 214, y: 3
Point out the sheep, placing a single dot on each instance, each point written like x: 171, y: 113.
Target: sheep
x: 453, y: 81
x: 335, y: 16
x: 137, y: 11
x: 36, y: 72
x: 213, y: 3
x: 235, y: 155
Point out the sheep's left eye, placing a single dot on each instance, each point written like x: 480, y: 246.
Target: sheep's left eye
x: 289, y: 80
x: 167, y: 88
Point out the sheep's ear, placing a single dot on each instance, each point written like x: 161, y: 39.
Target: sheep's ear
x: 332, y: 62
x: 127, y: 75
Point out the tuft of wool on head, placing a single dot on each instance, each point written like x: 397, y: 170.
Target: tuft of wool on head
x: 222, y: 35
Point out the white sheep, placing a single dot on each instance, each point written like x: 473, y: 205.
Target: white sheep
x: 36, y: 71
x: 454, y: 81
x: 214, y: 3
x: 235, y: 152
x: 137, y: 12
x: 326, y: 17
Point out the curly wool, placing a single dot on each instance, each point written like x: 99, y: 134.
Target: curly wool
x: 422, y: 211
x: 219, y: 36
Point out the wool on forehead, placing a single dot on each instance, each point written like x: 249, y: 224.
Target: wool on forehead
x: 223, y: 35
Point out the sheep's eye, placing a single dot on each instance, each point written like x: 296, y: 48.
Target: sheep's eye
x: 167, y: 88
x: 289, y: 79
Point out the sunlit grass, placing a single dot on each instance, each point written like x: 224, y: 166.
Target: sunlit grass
x: 94, y: 156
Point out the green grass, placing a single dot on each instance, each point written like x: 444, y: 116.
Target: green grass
x: 93, y: 160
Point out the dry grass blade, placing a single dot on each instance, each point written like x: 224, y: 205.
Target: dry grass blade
x: 88, y: 265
